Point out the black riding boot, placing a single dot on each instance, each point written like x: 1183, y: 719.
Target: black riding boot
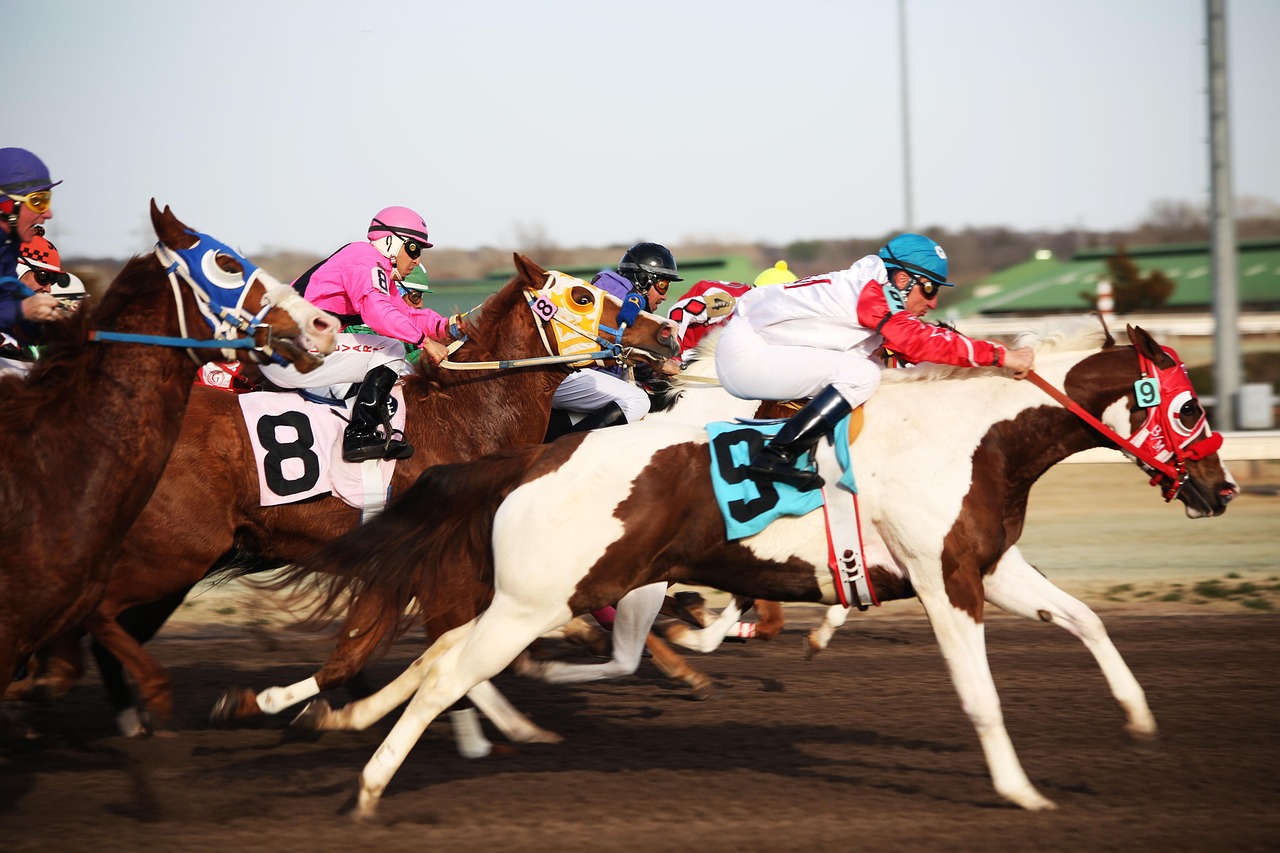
x: 607, y: 415
x: 777, y: 459
x: 362, y: 439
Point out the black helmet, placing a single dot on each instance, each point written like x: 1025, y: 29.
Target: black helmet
x: 645, y: 263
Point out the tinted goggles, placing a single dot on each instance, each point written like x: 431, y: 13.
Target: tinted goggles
x: 48, y: 278
x: 929, y: 289
x: 37, y: 201
x: 412, y: 248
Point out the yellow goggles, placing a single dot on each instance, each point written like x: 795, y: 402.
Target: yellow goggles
x: 38, y: 201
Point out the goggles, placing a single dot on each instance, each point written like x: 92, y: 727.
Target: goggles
x: 37, y: 201
x: 412, y: 248
x: 928, y: 288
x: 48, y: 278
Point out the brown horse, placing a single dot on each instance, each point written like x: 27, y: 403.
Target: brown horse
x: 207, y: 503
x: 944, y: 463
x: 87, y: 432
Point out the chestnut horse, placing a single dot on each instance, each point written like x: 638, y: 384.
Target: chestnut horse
x: 207, y: 502
x: 87, y: 432
x: 944, y: 465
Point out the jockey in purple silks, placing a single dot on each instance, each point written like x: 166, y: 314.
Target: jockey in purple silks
x: 25, y: 203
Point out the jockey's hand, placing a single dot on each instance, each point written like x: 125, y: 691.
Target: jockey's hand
x: 1020, y: 361
x: 670, y: 367
x: 40, y: 308
x: 434, y: 350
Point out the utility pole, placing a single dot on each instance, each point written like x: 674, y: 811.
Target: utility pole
x: 1222, y: 223
x: 906, y: 117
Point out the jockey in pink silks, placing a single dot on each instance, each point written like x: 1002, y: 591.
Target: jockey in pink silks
x: 818, y: 337
x: 359, y: 284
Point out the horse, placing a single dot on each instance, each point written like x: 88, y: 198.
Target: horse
x: 206, y: 513
x: 86, y: 433
x: 944, y: 466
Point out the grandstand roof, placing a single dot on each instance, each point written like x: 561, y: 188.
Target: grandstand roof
x: 1048, y: 285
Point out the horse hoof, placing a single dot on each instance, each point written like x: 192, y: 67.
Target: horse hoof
x: 703, y: 689
x: 234, y: 704
x: 312, y: 716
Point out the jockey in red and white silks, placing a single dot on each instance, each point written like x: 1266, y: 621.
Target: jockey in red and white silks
x: 817, y: 337
x: 793, y: 340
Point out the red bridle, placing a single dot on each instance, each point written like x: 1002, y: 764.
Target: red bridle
x: 1162, y: 445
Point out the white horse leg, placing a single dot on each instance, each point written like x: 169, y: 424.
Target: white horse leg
x: 1016, y: 586
x: 514, y: 725
x: 636, y: 612
x: 819, y: 638
x: 362, y: 713
x: 963, y: 646
x: 707, y: 639
x: 476, y: 652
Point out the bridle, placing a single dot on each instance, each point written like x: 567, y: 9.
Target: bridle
x: 1162, y: 446
x: 219, y: 297
x: 572, y: 330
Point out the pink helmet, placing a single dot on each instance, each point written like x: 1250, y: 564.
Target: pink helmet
x: 399, y: 222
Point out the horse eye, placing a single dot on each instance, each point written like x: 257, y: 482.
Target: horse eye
x: 581, y: 297
x: 227, y: 263
x: 1191, y: 411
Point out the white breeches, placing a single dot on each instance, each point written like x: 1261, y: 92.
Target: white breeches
x: 753, y: 369
x: 353, y: 356
x: 588, y: 390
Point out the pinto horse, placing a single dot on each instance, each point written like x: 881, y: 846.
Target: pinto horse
x: 207, y: 502
x: 87, y: 432
x: 944, y: 466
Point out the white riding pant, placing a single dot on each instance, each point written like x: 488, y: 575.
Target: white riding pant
x: 751, y: 368
x: 353, y: 356
x: 588, y: 390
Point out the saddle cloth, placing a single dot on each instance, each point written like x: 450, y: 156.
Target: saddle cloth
x: 297, y: 448
x: 748, y: 505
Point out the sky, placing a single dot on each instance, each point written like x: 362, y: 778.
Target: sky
x: 284, y: 125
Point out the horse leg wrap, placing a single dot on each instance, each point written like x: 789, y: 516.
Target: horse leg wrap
x: 468, y: 735
x: 273, y: 700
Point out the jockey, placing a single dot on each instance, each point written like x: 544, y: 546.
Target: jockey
x: 818, y: 336
x: 709, y: 304
x: 358, y: 283
x: 600, y: 393
x: 25, y: 202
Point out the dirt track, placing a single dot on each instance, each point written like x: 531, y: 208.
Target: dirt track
x: 865, y: 747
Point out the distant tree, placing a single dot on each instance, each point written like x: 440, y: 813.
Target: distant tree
x: 1130, y: 288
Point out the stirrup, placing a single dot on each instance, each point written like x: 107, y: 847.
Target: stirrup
x: 777, y: 468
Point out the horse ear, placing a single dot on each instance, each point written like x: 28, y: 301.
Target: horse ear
x: 1145, y: 344
x: 527, y: 269
x: 169, y: 229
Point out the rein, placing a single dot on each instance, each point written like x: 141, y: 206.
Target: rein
x: 1151, y: 433
x: 546, y: 311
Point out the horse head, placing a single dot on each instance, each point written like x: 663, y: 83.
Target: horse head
x: 1145, y: 394
x: 235, y: 297
x: 584, y: 319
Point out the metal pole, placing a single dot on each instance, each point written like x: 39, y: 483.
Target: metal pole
x: 906, y: 117
x: 1222, y: 223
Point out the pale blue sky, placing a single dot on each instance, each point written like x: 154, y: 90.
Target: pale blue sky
x: 276, y: 124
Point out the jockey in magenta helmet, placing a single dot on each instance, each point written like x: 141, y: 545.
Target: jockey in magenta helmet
x: 393, y: 227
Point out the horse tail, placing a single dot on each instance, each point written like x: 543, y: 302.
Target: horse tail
x: 434, y: 537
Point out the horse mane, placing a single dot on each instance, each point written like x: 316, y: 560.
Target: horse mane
x: 60, y: 366
x: 666, y: 391
x: 430, y: 378
x: 1054, y: 336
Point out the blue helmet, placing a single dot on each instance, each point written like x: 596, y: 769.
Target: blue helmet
x: 917, y: 255
x: 22, y: 172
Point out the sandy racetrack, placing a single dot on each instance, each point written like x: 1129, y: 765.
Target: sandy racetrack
x: 865, y: 747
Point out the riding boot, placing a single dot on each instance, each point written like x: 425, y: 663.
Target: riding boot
x: 363, y: 439
x: 777, y: 459
x: 607, y: 415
